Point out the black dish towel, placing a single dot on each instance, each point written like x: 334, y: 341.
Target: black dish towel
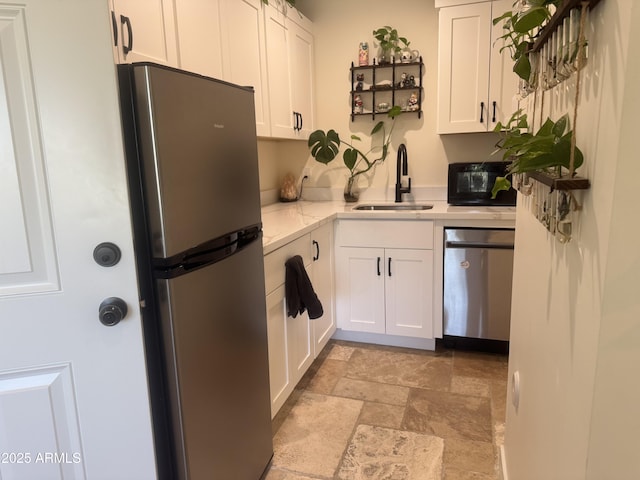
x: 299, y: 291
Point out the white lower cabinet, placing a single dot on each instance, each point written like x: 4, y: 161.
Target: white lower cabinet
x: 295, y: 342
x: 322, y: 278
x: 384, y: 277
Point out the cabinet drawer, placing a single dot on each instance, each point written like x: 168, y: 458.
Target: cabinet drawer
x: 385, y: 233
x: 274, y: 261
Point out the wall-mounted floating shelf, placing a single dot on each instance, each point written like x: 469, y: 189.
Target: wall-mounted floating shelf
x: 556, y: 20
x: 388, y: 93
x: 561, y: 183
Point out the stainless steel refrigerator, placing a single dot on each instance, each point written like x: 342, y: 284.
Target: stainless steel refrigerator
x: 193, y: 181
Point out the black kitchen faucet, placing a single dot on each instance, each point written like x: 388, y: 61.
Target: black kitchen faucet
x: 402, y: 161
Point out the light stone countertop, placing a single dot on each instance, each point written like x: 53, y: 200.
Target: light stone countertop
x: 284, y: 222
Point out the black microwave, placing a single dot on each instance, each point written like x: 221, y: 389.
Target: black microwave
x: 471, y: 184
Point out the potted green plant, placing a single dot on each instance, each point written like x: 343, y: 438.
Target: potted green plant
x: 520, y: 26
x: 325, y: 147
x: 389, y: 43
x: 548, y: 150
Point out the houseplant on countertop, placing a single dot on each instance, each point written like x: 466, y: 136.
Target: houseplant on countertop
x: 325, y: 147
x: 548, y: 150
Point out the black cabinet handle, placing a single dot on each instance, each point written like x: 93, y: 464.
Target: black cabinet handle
x: 317, y: 255
x: 378, y: 266
x: 389, y: 267
x: 297, y: 121
x: 481, y: 112
x: 125, y: 21
x: 114, y: 23
x: 493, y: 119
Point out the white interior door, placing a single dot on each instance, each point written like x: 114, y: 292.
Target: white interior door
x: 74, y: 401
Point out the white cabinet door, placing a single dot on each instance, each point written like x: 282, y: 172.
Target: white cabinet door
x: 290, y: 348
x: 300, y: 345
x: 322, y: 278
x: 146, y: 31
x: 199, y: 24
x: 243, y: 44
x: 280, y: 94
x: 503, y: 84
x: 360, y: 289
x: 409, y: 292
x: 290, y: 73
x: 301, y: 62
x: 476, y: 84
x: 290, y: 339
x: 279, y: 373
x: 464, y: 55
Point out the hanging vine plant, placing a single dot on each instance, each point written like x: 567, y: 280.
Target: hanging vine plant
x: 549, y: 149
x: 521, y: 26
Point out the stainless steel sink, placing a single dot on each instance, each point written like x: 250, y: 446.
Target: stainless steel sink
x: 400, y: 206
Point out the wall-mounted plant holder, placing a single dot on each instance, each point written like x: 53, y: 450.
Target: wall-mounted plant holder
x: 553, y: 202
x: 560, y: 49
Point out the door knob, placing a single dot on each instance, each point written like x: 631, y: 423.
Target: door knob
x: 111, y: 311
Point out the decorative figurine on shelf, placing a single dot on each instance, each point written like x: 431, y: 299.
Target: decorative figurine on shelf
x: 363, y: 54
x: 357, y: 104
x: 412, y: 103
x: 360, y: 79
x: 403, y: 80
x: 411, y: 82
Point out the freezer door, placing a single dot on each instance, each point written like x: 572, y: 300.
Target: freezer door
x: 478, y: 270
x: 215, y: 332
x: 197, y: 149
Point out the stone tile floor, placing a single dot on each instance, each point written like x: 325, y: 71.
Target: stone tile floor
x: 374, y: 412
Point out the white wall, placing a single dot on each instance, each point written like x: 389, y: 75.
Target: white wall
x: 339, y: 27
x: 575, y: 322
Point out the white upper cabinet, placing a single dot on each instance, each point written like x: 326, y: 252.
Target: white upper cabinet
x: 301, y: 68
x: 476, y: 84
x: 245, y: 42
x: 224, y: 39
x: 199, y: 26
x: 144, y: 31
x: 244, y: 57
x: 290, y: 72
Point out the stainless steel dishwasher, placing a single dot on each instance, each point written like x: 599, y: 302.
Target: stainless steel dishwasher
x: 478, y: 267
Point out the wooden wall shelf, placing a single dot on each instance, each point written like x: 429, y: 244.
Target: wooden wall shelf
x: 557, y: 18
x: 561, y: 183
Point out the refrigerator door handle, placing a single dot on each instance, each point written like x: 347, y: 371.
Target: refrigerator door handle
x: 207, y: 253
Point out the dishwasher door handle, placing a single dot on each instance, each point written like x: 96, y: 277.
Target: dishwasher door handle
x: 494, y: 246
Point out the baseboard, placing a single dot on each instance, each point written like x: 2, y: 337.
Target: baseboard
x: 503, y: 474
x: 383, y: 339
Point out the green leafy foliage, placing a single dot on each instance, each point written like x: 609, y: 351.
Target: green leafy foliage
x: 548, y: 149
x: 520, y: 29
x: 324, y: 147
x: 388, y: 39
